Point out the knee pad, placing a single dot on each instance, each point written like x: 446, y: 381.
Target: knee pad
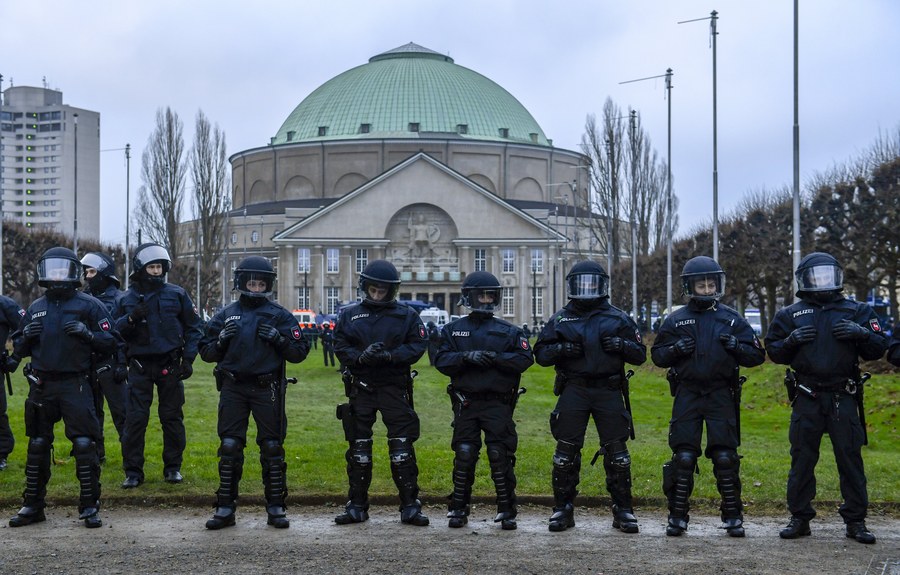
x: 231, y: 447
x: 615, y: 454
x: 725, y: 459
x: 38, y: 445
x: 82, y: 446
x: 685, y: 460
x: 400, y: 450
x: 466, y: 454
x: 566, y: 455
x: 497, y: 455
x: 360, y: 453
x: 271, y: 448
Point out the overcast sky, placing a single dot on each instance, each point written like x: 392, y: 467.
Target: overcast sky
x: 247, y: 65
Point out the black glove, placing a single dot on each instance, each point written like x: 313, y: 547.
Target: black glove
x: 33, y: 330
x: 612, y: 344
x: 12, y: 364
x: 848, y: 330
x: 229, y: 331
x: 186, y: 370
x: 729, y: 342
x: 800, y: 336
x: 270, y: 334
x: 372, y: 354
x: 570, y: 349
x: 120, y: 374
x: 685, y: 346
x: 138, y: 313
x: 77, y: 329
x: 479, y: 357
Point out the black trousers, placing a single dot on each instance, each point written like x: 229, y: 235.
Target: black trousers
x: 138, y: 399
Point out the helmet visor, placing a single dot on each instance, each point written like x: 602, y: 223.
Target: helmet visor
x: 587, y: 286
x: 826, y: 277
x: 378, y: 292
x: 93, y: 261
x: 482, y: 299
x: 152, y: 254
x: 58, y: 270
x: 705, y: 286
x: 254, y: 283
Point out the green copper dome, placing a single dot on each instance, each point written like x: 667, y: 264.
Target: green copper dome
x: 410, y: 92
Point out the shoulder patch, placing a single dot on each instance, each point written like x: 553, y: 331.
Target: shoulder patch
x: 22, y: 312
x: 873, y: 323
x: 637, y: 336
x: 422, y: 332
x: 104, y: 324
x: 523, y: 343
x: 295, y: 332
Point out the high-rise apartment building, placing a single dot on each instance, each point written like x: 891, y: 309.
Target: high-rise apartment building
x: 50, y: 165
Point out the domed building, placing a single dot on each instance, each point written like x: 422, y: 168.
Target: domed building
x: 417, y: 160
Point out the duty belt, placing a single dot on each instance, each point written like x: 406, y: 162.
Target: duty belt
x: 254, y: 379
x: 611, y: 381
x: 485, y: 396
x: 817, y: 385
x: 58, y: 375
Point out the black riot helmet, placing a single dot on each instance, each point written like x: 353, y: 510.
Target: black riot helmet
x: 379, y: 275
x: 477, y: 289
x: 819, y: 273
x: 150, y: 253
x: 587, y: 280
x: 59, y: 271
x: 697, y: 274
x: 106, y: 271
x: 254, y: 269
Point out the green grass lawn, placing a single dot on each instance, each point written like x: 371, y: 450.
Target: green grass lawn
x: 315, y: 445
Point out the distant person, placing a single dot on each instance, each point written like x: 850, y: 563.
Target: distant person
x: 250, y: 341
x: 434, y: 340
x: 526, y: 330
x: 484, y: 357
x: 822, y: 337
x: 327, y: 344
x: 377, y: 341
x: 161, y: 329
x: 704, y: 344
x: 588, y: 342
x: 60, y: 331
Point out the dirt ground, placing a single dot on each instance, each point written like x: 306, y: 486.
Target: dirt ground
x: 174, y: 540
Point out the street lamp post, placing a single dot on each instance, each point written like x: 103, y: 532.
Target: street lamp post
x: 533, y: 293
x: 75, y: 188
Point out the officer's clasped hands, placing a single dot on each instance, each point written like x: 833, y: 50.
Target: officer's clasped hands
x: 77, y: 329
x: 228, y: 332
x: 139, y: 313
x: 375, y: 354
x: 685, y: 346
x: 729, y: 342
x: 848, y: 330
x: 33, y: 330
x: 479, y: 357
x: 570, y: 349
x: 612, y: 344
x: 800, y: 336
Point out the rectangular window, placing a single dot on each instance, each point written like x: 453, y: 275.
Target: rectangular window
x: 509, y: 302
x: 333, y: 259
x: 504, y: 132
x: 413, y: 126
x: 362, y: 260
x: 480, y: 260
x: 539, y: 302
x: 509, y: 261
x: 303, y: 297
x: 302, y: 260
x: 365, y: 128
x: 332, y: 299
x: 537, y: 261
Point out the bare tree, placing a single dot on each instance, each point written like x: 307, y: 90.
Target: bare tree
x: 161, y: 197
x: 209, y: 177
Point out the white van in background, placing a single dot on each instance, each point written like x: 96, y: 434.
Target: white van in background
x: 753, y: 318
x: 433, y: 314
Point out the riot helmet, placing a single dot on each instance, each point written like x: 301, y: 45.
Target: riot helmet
x: 587, y: 280
x: 254, y: 278
x: 703, y: 280
x: 480, y: 292
x: 819, y: 273
x: 105, y: 271
x: 379, y: 283
x: 59, y: 271
x: 146, y: 254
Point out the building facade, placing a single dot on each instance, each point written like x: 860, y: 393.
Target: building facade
x: 417, y: 160
x: 50, y: 162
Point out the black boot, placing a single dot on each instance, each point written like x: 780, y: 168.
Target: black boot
x: 726, y: 468
x: 87, y: 469
x: 503, y: 474
x: 563, y: 517
x: 457, y: 518
x: 406, y: 477
x: 617, y: 463
x: 26, y: 516
x: 463, y: 478
x: 274, y: 478
x: 676, y: 526
x: 231, y: 468
x: 222, y: 518
x: 359, y: 476
x: 678, y: 483
x: 796, y: 527
x: 565, y: 478
x: 857, y: 530
x: 37, y: 474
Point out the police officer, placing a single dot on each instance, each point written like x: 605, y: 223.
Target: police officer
x: 161, y: 328
x: 704, y: 344
x: 327, y: 344
x: 109, y: 371
x: 10, y: 315
x: 377, y: 340
x: 484, y: 357
x: 250, y: 340
x: 894, y: 351
x: 822, y: 336
x: 60, y: 331
x: 434, y: 340
x: 589, y: 341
